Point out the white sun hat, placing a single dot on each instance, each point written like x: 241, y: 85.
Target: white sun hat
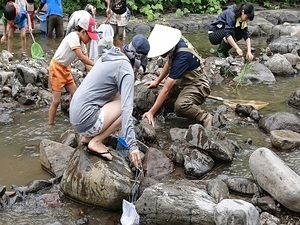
x: 162, y: 39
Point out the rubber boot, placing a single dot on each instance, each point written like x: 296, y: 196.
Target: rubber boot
x: 223, y: 49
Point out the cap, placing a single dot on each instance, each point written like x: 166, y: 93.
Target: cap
x: 88, y: 23
x: 141, y: 44
x: 162, y: 39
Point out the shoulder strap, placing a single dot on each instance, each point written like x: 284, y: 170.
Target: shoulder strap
x: 190, y: 48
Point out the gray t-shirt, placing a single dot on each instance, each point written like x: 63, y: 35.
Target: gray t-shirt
x: 112, y: 73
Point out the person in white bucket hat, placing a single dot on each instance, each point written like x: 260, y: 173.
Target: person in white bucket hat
x: 186, y: 86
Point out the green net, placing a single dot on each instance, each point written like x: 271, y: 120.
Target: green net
x: 36, y: 51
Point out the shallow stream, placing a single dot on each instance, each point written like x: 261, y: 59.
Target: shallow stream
x: 19, y: 150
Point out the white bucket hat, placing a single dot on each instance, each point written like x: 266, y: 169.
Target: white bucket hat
x: 162, y: 39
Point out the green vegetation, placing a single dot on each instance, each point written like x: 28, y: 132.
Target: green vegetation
x: 153, y: 9
x: 244, y: 70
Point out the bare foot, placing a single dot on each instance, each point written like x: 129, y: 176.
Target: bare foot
x: 96, y: 147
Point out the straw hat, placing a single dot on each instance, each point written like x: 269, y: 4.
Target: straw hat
x: 162, y: 39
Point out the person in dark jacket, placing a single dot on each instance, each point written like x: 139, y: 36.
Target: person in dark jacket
x: 230, y: 27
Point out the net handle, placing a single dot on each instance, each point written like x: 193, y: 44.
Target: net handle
x: 32, y: 37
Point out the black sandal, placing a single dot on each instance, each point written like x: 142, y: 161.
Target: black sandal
x: 100, y: 155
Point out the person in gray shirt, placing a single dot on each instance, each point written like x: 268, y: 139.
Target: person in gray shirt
x: 104, y: 100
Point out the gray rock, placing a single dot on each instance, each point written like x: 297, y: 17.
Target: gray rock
x: 259, y: 73
x: 235, y: 211
x: 54, y: 156
x: 218, y: 190
x: 275, y: 177
x: 279, y: 65
x: 285, y: 139
x: 280, y: 121
x: 208, y: 140
x: 294, y: 99
x: 94, y: 181
x: 162, y: 204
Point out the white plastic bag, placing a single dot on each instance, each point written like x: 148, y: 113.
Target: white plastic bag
x: 130, y: 215
x: 93, y: 50
x: 106, y: 35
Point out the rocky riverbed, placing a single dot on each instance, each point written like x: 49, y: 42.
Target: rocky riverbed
x: 269, y: 196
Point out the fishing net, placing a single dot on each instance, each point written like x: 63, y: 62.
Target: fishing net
x: 36, y: 51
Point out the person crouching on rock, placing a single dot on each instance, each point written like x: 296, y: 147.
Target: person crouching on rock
x: 230, y: 27
x: 186, y: 86
x: 104, y: 100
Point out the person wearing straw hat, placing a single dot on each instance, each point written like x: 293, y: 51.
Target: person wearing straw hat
x: 186, y: 86
x: 72, y: 46
x: 104, y: 100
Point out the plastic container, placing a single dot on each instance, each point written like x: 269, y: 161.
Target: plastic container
x: 42, y: 17
x: 122, y: 147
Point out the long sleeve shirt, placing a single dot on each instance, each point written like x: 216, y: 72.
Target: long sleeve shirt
x: 111, y: 74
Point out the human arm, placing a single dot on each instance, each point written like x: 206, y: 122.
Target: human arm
x: 3, y: 38
x: 163, y: 74
x: 83, y: 57
x: 232, y: 42
x: 93, y: 10
x: 159, y: 100
x: 41, y: 5
x: 126, y: 89
x: 108, y: 10
x: 249, y: 55
x: 29, y: 23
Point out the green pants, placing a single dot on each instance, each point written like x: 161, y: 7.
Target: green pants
x: 187, y: 101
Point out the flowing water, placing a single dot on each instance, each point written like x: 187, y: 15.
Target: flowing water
x: 19, y: 151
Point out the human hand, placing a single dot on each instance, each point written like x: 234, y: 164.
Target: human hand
x: 249, y: 56
x: 150, y: 118
x: 135, y: 157
x: 239, y: 51
x: 105, y: 21
x: 30, y: 30
x: 151, y: 84
x: 3, y: 39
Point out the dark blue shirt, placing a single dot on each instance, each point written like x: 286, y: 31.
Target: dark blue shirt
x: 227, y: 20
x: 182, y: 61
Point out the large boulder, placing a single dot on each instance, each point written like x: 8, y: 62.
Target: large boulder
x: 259, y: 73
x: 275, y: 177
x: 279, y: 65
x: 280, y: 121
x: 54, y: 156
x: 92, y: 180
x: 162, y: 204
x: 211, y: 141
x: 235, y: 211
x: 285, y: 139
x: 294, y: 99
